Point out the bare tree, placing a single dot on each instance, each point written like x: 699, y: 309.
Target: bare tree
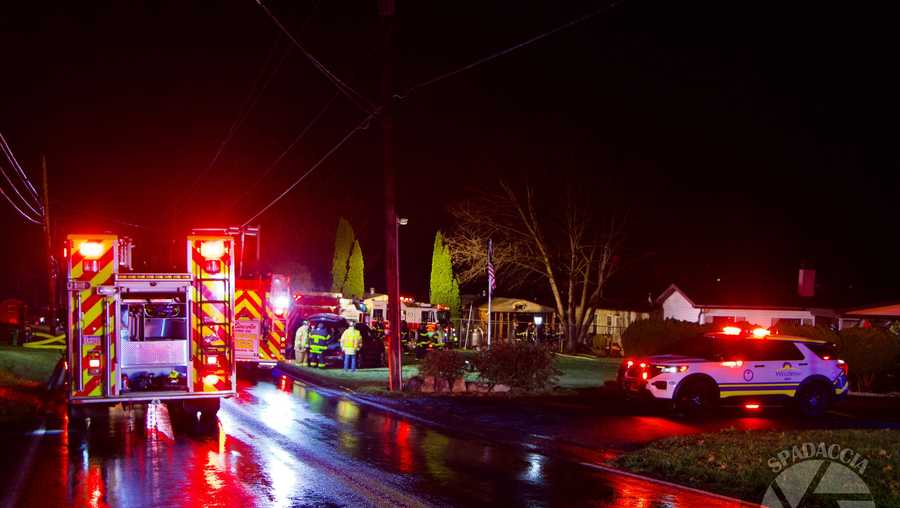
x: 563, y: 242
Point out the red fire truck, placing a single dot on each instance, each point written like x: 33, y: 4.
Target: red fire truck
x: 142, y: 337
x: 261, y: 313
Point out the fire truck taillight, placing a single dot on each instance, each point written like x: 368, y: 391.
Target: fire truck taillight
x: 94, y: 363
x: 212, y: 252
x: 212, y: 360
x: 210, y: 380
x: 212, y: 249
x: 91, y: 252
x: 280, y: 304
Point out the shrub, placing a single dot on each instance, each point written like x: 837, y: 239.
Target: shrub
x: 520, y: 365
x: 446, y: 365
x: 871, y: 355
x: 651, y: 336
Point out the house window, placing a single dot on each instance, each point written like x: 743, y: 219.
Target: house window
x: 722, y: 320
x: 786, y: 321
x: 378, y: 314
x: 608, y: 320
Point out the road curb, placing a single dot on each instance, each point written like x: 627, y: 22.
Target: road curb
x: 351, y: 395
x: 622, y: 472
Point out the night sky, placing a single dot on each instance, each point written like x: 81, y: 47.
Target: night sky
x: 739, y: 138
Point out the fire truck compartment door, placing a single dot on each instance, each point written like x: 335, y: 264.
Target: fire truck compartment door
x: 164, y: 352
x: 247, y: 334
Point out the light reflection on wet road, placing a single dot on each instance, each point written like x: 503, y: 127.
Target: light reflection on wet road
x: 283, y: 444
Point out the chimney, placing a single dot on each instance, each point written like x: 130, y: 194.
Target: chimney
x: 806, y: 282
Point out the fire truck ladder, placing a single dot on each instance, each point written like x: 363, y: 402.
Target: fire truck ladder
x: 227, y: 311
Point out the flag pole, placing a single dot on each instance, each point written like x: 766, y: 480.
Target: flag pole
x: 490, y: 290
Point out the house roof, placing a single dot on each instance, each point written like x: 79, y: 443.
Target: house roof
x: 504, y: 304
x: 885, y: 309
x: 720, y: 295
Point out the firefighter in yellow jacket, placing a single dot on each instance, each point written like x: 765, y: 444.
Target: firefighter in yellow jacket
x: 351, y: 341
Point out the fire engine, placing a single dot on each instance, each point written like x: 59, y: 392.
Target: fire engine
x: 143, y: 337
x: 261, y: 315
x: 416, y: 314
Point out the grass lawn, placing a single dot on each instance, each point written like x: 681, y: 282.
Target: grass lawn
x: 577, y: 372
x: 26, y: 367
x: 23, y: 373
x: 581, y: 372
x: 736, y: 463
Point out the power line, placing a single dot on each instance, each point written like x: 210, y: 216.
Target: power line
x: 14, y: 205
x: 355, y: 97
x: 256, y: 92
x: 35, y: 207
x: 360, y: 126
x: 22, y: 175
x: 506, y: 51
x: 284, y: 153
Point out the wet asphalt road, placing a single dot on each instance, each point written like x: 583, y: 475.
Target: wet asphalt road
x: 283, y: 444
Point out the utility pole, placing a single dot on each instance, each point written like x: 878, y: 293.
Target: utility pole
x: 386, y: 11
x: 48, y: 243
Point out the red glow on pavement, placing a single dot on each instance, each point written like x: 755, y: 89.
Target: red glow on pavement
x: 405, y: 462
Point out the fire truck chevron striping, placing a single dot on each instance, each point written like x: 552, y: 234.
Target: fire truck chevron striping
x: 261, y: 309
x: 139, y: 337
x: 93, y: 264
x: 212, y: 309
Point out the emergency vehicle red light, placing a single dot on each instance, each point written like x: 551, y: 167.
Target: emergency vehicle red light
x: 731, y: 330
x: 630, y: 363
x: 759, y: 333
x: 733, y: 364
x: 644, y: 376
x: 212, y: 360
x: 642, y: 365
x: 212, y: 249
x: 94, y: 363
x: 210, y: 380
x: 91, y: 250
x: 751, y: 406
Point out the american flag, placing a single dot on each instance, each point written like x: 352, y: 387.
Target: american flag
x: 492, y: 276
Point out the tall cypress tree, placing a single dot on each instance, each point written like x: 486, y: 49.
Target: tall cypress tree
x: 355, y: 286
x: 343, y: 243
x: 437, y: 290
x: 444, y: 285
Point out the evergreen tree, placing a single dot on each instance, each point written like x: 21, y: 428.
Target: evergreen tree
x: 343, y: 243
x: 438, y: 290
x: 355, y: 286
x: 444, y: 288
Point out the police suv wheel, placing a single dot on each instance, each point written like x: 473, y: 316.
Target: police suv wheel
x: 695, y: 399
x: 813, y: 400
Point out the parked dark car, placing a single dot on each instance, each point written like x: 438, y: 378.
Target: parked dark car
x: 371, y: 354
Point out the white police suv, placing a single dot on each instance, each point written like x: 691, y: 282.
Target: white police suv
x: 747, y: 368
